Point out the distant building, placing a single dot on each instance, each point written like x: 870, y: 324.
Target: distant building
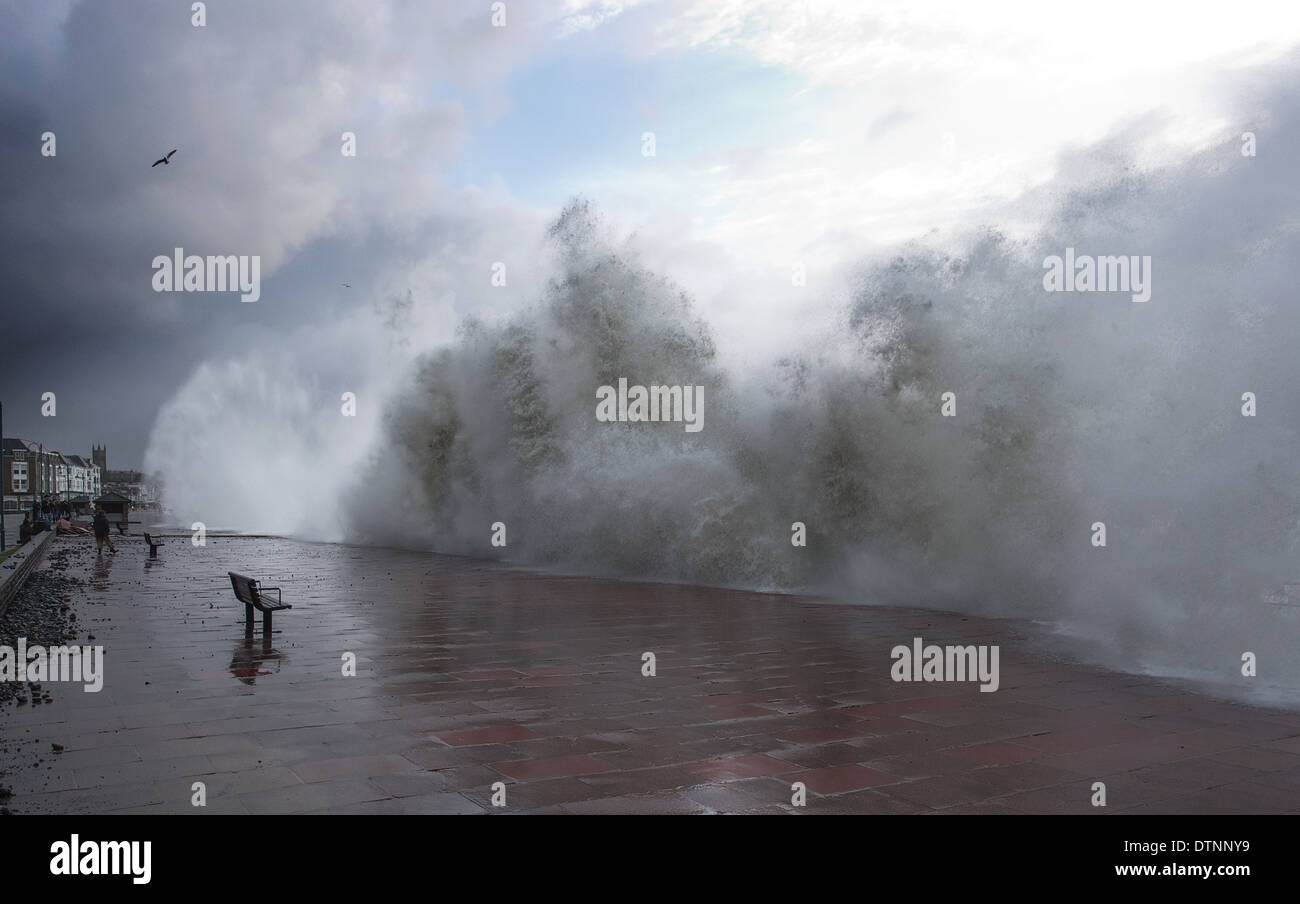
x: 74, y: 476
x: 142, y: 490
x: 134, y: 485
x: 80, y: 478
x: 28, y: 471
x: 17, y: 472
x: 61, y: 476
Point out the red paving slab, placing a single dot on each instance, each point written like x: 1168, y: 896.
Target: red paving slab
x: 823, y: 735
x: 553, y: 671
x: 553, y: 767
x: 739, y: 767
x: 994, y: 754
x: 493, y: 735
x: 835, y: 779
x: 470, y: 674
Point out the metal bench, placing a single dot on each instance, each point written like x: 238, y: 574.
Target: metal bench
x: 250, y: 593
x: 153, y: 546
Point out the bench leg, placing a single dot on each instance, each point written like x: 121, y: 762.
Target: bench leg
x: 248, y: 619
x: 266, y: 625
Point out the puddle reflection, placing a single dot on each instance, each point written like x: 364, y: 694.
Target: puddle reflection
x: 99, y: 576
x: 250, y: 658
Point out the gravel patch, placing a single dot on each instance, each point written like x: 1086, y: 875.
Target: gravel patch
x: 43, y: 612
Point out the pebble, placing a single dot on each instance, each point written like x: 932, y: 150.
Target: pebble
x: 39, y: 613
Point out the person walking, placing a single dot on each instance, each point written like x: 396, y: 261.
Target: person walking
x: 101, y: 531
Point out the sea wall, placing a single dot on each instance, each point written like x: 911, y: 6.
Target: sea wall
x: 16, y: 568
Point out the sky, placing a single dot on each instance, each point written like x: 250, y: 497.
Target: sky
x: 785, y: 134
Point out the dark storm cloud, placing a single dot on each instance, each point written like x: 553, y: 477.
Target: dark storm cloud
x: 255, y: 102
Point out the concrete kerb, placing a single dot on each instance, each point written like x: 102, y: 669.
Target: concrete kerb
x: 16, y: 568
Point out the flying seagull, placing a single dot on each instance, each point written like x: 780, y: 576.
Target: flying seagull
x: 166, y: 159
x: 345, y: 285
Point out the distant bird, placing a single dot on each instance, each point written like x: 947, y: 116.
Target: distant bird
x: 345, y: 285
x: 166, y: 159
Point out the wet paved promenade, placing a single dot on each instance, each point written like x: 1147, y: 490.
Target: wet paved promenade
x: 469, y: 675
